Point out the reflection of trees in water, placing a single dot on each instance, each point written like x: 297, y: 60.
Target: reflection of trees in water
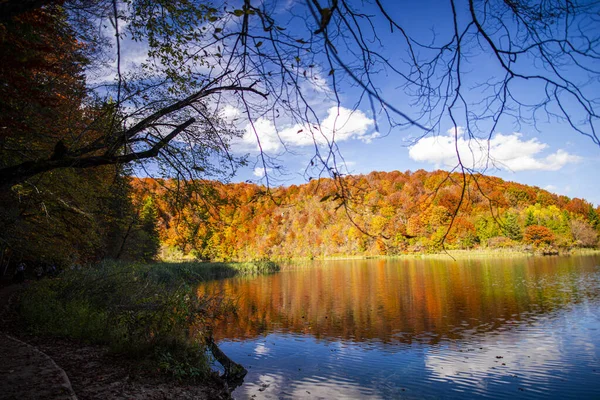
x: 405, y: 300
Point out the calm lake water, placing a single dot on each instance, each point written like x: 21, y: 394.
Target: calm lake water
x: 424, y: 329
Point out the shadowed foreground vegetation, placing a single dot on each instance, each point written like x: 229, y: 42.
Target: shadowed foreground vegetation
x: 142, y: 311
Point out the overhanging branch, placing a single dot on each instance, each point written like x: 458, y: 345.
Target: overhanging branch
x: 18, y: 173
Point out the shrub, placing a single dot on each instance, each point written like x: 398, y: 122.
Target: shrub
x: 500, y: 242
x: 538, y: 235
x: 136, y: 310
x: 583, y: 233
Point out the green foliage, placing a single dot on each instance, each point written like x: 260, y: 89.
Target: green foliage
x: 511, y: 227
x: 66, y: 218
x: 529, y: 219
x: 435, y: 242
x: 147, y: 239
x: 48, y: 311
x: 486, y: 228
x: 117, y: 213
x: 593, y: 218
x: 183, y: 362
x: 135, y: 309
x: 172, y: 30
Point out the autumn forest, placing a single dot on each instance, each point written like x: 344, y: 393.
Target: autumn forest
x: 383, y: 214
x: 98, y: 210
x: 135, y: 254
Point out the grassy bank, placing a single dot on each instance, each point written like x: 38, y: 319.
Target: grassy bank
x: 449, y: 255
x: 193, y: 272
x: 149, y: 312
x: 483, y: 253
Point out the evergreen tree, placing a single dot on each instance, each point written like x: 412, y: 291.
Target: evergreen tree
x: 593, y: 218
x: 511, y: 227
x: 529, y: 219
x: 565, y: 224
x: 119, y: 217
x: 149, y: 241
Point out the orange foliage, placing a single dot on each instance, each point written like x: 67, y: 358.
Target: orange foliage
x: 391, y: 213
x: 538, y: 235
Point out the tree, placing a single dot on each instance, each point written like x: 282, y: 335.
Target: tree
x: 235, y: 221
x: 583, y: 233
x: 42, y: 70
x: 173, y: 109
x: 148, y: 241
x: 593, y: 218
x: 538, y: 235
x: 529, y: 218
x: 199, y: 56
x: 62, y: 216
x: 511, y: 227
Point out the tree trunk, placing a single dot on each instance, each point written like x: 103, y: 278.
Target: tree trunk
x: 234, y: 372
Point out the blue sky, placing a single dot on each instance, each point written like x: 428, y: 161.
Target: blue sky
x: 549, y: 155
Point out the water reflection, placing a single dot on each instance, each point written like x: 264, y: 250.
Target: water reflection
x: 405, y: 300
x: 419, y: 329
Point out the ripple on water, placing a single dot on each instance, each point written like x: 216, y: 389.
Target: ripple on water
x: 507, y: 337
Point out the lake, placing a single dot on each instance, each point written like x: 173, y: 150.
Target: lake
x: 525, y: 327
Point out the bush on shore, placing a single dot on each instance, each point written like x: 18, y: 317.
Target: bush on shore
x: 145, y: 311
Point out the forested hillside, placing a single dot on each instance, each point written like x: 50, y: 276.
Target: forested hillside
x: 376, y: 214
x: 64, y: 216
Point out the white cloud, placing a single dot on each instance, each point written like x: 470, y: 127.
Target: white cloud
x: 340, y: 124
x: 508, y: 152
x: 550, y: 188
x: 316, y: 82
x: 259, y: 172
x: 230, y: 113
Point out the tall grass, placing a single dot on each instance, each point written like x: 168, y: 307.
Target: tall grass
x: 145, y: 311
x: 191, y: 272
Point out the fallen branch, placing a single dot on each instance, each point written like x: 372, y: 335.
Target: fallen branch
x: 234, y: 372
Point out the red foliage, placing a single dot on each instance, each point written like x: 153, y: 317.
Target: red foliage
x: 538, y: 235
x: 578, y: 206
x: 391, y: 209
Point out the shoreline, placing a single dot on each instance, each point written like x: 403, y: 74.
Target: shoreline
x: 92, y: 370
x: 96, y: 372
x: 450, y: 254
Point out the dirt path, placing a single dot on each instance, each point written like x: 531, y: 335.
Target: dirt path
x: 25, y: 371
x: 28, y: 373
x: 30, y: 368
